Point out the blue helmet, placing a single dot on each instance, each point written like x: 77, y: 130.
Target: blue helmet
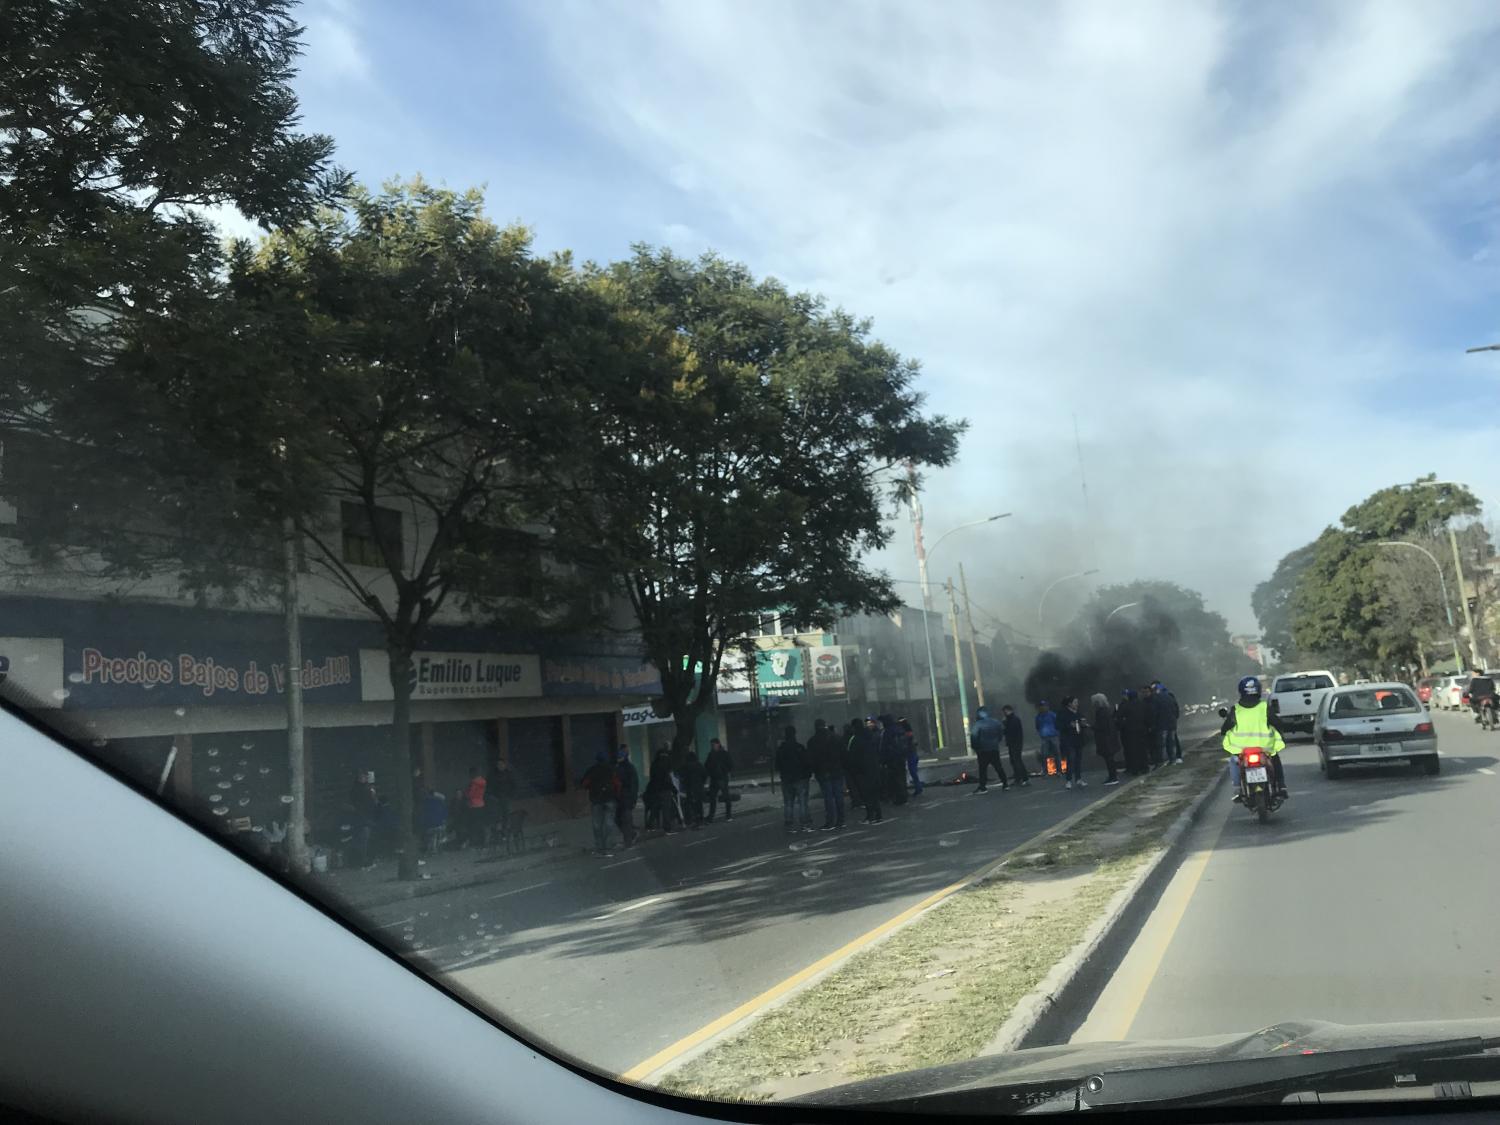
x: 1249, y: 686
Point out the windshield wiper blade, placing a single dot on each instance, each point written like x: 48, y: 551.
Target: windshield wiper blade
x: 1220, y: 1081
x: 1257, y: 1080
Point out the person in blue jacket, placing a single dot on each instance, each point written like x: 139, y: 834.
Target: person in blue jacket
x: 1046, y: 729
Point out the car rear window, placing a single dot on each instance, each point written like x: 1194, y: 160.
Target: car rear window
x: 1302, y: 683
x: 1373, y: 701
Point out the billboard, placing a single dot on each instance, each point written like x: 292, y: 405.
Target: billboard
x: 828, y: 670
x: 453, y: 675
x: 780, y: 673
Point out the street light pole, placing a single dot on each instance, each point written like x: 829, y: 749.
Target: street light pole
x: 1458, y: 569
x: 922, y: 556
x: 973, y: 645
x: 958, y: 660
x: 1458, y: 660
x: 1463, y: 601
x: 916, y: 527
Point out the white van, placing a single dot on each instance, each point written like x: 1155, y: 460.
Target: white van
x: 1295, y: 698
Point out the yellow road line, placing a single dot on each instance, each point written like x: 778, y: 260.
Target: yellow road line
x: 1174, y: 906
x: 673, y: 1052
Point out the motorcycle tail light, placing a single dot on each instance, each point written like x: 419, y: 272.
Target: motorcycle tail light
x: 1252, y: 757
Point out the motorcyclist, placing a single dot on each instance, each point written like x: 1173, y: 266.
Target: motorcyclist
x: 1481, y: 687
x: 1249, y: 724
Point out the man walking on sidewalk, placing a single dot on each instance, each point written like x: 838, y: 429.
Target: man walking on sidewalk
x: 1046, y: 729
x: 909, y: 742
x: 1071, y: 726
x: 866, y: 753
x: 1015, y: 741
x: 1106, y: 737
x: 603, y: 787
x: 630, y: 791
x: 791, y: 764
x: 985, y: 740
x: 718, y: 765
x: 1167, y: 713
x: 823, y: 752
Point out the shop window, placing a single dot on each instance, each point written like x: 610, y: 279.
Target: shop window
x: 366, y: 529
x: 535, y: 750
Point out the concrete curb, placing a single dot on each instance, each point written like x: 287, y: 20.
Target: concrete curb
x: 1045, y: 1014
x: 988, y: 871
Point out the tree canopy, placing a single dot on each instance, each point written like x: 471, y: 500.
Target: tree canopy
x: 748, y: 439
x: 1359, y: 603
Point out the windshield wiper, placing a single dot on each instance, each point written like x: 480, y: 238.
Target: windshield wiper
x: 1214, y: 1081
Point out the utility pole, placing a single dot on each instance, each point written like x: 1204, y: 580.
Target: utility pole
x: 958, y: 660
x: 973, y: 645
x: 1463, y: 600
x: 296, y: 843
x: 916, y: 530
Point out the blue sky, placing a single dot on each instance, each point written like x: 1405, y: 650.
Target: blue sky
x: 1244, y: 244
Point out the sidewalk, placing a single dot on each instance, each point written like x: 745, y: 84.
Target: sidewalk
x: 559, y: 841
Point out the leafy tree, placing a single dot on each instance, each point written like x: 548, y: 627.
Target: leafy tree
x: 401, y: 367
x: 1345, y: 603
x: 748, y: 438
x: 119, y: 120
x: 1271, y: 601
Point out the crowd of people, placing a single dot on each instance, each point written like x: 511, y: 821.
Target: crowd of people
x: 1136, y: 734
x: 869, y: 764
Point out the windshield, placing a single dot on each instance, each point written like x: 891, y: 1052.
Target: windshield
x: 1356, y: 704
x: 720, y: 533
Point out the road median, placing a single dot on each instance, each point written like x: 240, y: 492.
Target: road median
x: 985, y: 962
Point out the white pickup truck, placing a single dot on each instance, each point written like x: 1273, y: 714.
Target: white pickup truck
x: 1295, y: 698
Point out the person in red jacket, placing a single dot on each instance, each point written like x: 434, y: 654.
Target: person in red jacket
x: 474, y: 813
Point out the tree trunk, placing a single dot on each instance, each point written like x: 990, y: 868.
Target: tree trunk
x: 402, y: 764
x: 685, y: 728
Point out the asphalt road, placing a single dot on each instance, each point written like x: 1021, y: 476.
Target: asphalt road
x: 1373, y: 898
x: 612, y: 960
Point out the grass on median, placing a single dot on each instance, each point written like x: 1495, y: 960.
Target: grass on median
x: 939, y: 989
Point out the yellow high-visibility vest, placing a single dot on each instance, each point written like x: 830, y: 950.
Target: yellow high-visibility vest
x: 1252, y: 727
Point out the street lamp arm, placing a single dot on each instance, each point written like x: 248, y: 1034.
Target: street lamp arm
x: 960, y: 527
x: 1041, y: 603
x: 1437, y: 566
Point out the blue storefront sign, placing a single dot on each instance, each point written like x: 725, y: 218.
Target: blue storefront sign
x: 79, y: 655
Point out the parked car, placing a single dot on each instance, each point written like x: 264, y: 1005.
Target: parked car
x: 1450, y: 692
x: 1380, y: 723
x: 1295, y: 699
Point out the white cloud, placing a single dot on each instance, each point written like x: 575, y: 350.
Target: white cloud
x: 333, y: 48
x: 1232, y: 239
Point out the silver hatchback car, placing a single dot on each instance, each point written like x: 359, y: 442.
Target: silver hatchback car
x: 1364, y: 724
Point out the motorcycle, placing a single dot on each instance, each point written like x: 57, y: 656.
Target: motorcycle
x: 1257, y: 793
x: 1484, y: 712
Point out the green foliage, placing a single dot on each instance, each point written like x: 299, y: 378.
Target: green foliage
x: 118, y: 119
x: 1353, y: 599
x: 749, y: 438
x: 1271, y: 601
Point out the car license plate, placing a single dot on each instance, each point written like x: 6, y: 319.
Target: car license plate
x: 1256, y: 773
x: 1382, y: 748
